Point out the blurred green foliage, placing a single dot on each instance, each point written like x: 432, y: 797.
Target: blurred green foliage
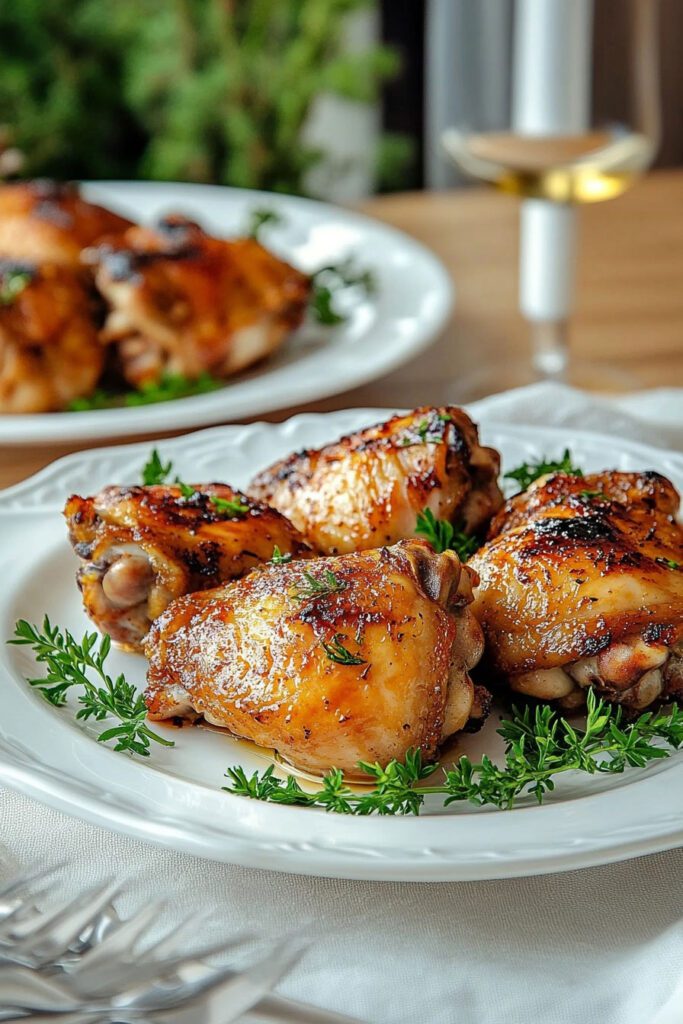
x: 200, y: 90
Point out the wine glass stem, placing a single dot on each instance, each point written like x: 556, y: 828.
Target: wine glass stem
x: 549, y: 348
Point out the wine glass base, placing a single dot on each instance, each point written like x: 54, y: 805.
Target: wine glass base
x: 595, y: 377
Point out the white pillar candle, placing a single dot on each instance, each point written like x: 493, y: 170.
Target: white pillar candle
x: 552, y: 80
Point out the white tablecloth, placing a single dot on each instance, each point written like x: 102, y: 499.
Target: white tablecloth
x: 600, y: 946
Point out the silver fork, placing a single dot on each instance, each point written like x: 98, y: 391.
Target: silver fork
x: 79, y: 963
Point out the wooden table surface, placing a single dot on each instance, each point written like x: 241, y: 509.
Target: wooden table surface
x: 630, y: 298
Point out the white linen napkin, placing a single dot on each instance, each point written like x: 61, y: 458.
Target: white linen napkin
x: 599, y: 946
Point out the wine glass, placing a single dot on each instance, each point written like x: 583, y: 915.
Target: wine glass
x: 558, y: 141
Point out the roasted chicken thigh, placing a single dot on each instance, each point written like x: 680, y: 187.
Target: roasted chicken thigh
x: 332, y: 661
x: 182, y: 302
x: 141, y: 547
x: 49, y: 349
x: 581, y: 584
x: 366, y: 490
x: 48, y: 222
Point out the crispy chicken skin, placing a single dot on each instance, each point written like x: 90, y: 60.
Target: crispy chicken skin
x: 249, y: 656
x: 367, y: 489
x: 47, y: 222
x: 49, y: 349
x: 581, y: 584
x: 185, y: 303
x: 141, y: 547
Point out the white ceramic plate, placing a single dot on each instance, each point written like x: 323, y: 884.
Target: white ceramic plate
x: 175, y: 799
x: 413, y: 300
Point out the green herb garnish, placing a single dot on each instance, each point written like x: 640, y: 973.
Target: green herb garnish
x: 336, y: 651
x: 539, y: 745
x: 186, y: 491
x: 229, y: 506
x: 280, y: 557
x: 312, y: 586
x: 669, y: 563
x: 588, y: 495
x: 443, y: 536
x: 154, y: 471
x: 328, y: 282
x: 12, y: 284
x: 261, y: 217
x: 525, y: 474
x: 67, y: 662
x: 168, y: 388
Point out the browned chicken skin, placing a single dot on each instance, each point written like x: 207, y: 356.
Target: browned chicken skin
x: 582, y: 585
x: 185, y: 303
x: 47, y: 222
x: 49, y: 349
x: 141, y: 547
x: 367, y: 489
x: 254, y: 656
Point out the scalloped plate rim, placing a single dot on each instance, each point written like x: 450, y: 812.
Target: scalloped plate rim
x: 393, y: 849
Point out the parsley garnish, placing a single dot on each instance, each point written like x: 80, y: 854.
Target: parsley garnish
x: 261, y: 217
x: 12, y: 284
x: 443, y: 536
x: 336, y: 651
x: 229, y: 506
x: 186, y: 491
x: 67, y: 662
x: 539, y: 745
x: 154, y: 471
x: 280, y: 557
x: 312, y: 587
x: 328, y: 282
x: 525, y: 474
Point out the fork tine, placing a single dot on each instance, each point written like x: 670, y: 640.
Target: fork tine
x: 226, y: 987
x: 24, y: 989
x: 57, y: 930
x: 121, y: 939
x: 132, y: 975
x: 278, y: 1010
x: 169, y: 942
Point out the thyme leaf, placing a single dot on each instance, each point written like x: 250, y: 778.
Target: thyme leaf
x: 68, y: 663
x: 525, y: 474
x: 444, y: 536
x: 539, y: 745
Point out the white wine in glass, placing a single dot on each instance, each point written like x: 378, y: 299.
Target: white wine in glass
x: 552, y: 151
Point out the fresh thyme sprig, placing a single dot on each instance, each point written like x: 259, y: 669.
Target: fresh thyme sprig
x: 525, y: 474
x: 168, y: 388
x: 280, y: 557
x: 328, y: 282
x: 155, y: 471
x: 313, y: 586
x: 444, y: 536
x: 261, y: 217
x: 336, y: 651
x: 68, y: 662
x: 539, y: 745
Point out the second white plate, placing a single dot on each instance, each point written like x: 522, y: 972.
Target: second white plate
x: 412, y: 302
